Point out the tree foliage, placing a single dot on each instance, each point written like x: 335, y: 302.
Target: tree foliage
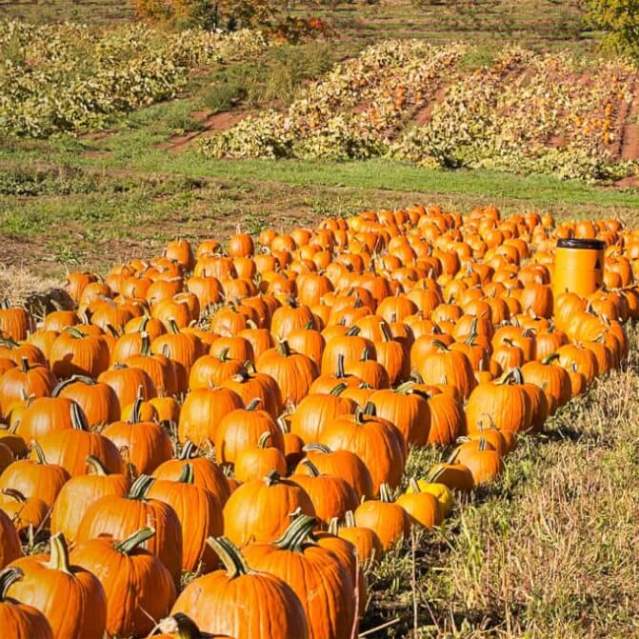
x: 620, y: 20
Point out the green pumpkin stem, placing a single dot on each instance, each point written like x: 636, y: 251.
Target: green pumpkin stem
x: 14, y: 494
x: 186, y: 475
x: 188, y: 450
x: 145, y: 345
x: 8, y: 577
x: 24, y: 365
x: 127, y: 546
x: 59, y: 559
x: 230, y: 556
x: 265, y: 438
x: 84, y: 379
x: 316, y: 447
x: 140, y: 487
x: 298, y: 534
x: 272, y: 478
x: 137, y: 407
x: 173, y: 327
x: 336, y: 391
x: 341, y: 370
x: 78, y: 418
x: 549, y: 359
x: 37, y: 449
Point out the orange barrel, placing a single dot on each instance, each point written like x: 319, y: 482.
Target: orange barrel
x: 578, y: 266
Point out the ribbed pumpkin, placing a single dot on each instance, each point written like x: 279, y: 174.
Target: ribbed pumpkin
x: 331, y: 495
x: 368, y: 545
x: 80, y: 492
x: 19, y: 620
x: 74, y: 353
x: 206, y: 473
x: 258, y: 461
x: 120, y: 517
x: 444, y: 366
x: 388, y: 519
x: 199, y: 513
x: 293, y: 372
x: 422, y: 508
x: 483, y: 461
x: 23, y: 511
x: 318, y: 577
x: 376, y: 441
x: 24, y: 380
x: 145, y: 445
x: 71, y: 598
x: 242, y: 429
x: 10, y: 548
x: 137, y: 585
x: 70, y: 448
x: 98, y: 400
x: 260, y: 510
x: 242, y: 603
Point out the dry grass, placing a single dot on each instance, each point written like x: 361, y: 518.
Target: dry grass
x: 17, y: 283
x: 549, y: 551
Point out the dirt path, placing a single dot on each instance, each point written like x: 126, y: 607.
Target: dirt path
x: 630, y: 131
x: 211, y: 123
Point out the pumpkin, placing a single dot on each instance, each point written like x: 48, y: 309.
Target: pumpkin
x: 242, y: 429
x: 318, y: 576
x: 259, y: 461
x: 260, y: 510
x: 71, y: 598
x: 82, y: 491
x: 145, y: 445
x: 240, y: 602
x: 24, y: 513
x: 368, y: 545
x: 98, y: 400
x: 120, y: 517
x: 199, y: 513
x: 128, y: 383
x: 331, y: 495
x: 423, y: 508
x: 445, y: 366
x: 19, y: 620
x: 340, y: 463
x: 35, y: 478
x: 483, y: 461
x: 388, y: 519
x: 74, y: 353
x: 206, y: 473
x: 376, y: 441
x: 10, y: 548
x: 70, y: 448
x: 180, y: 626
x: 441, y: 492
x: 24, y: 380
x: 294, y: 373
x: 137, y: 585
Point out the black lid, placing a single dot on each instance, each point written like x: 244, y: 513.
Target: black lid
x: 576, y: 243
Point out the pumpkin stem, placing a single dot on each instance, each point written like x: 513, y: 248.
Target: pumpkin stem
x: 224, y: 355
x: 254, y: 403
x: 127, y: 546
x: 24, y: 364
x: 333, y: 526
x: 230, y: 556
x: 181, y: 625
x: 341, y: 371
x: 78, y: 418
x: 14, y: 494
x: 140, y: 487
x: 187, y: 476
x: 188, y: 450
x: 313, y: 469
x: 336, y: 391
x: 315, y: 447
x: 59, y: 559
x: 298, y: 534
x: 264, y: 440
x: 137, y: 407
x: 39, y: 452
x: 173, y: 327
x: 513, y: 377
x: 386, y: 331
x: 385, y: 493
x: 353, y: 331
x: 283, y: 348
x: 549, y: 359
x: 349, y: 519
x: 95, y: 466
x: 413, y: 485
x: 272, y: 478
x: 84, y: 379
x: 8, y: 577
x: 145, y: 346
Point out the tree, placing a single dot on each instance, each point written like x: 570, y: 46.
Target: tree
x: 620, y: 20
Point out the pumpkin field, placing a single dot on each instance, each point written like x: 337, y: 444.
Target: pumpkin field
x: 322, y: 329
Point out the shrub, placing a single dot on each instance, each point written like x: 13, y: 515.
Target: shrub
x: 620, y: 20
